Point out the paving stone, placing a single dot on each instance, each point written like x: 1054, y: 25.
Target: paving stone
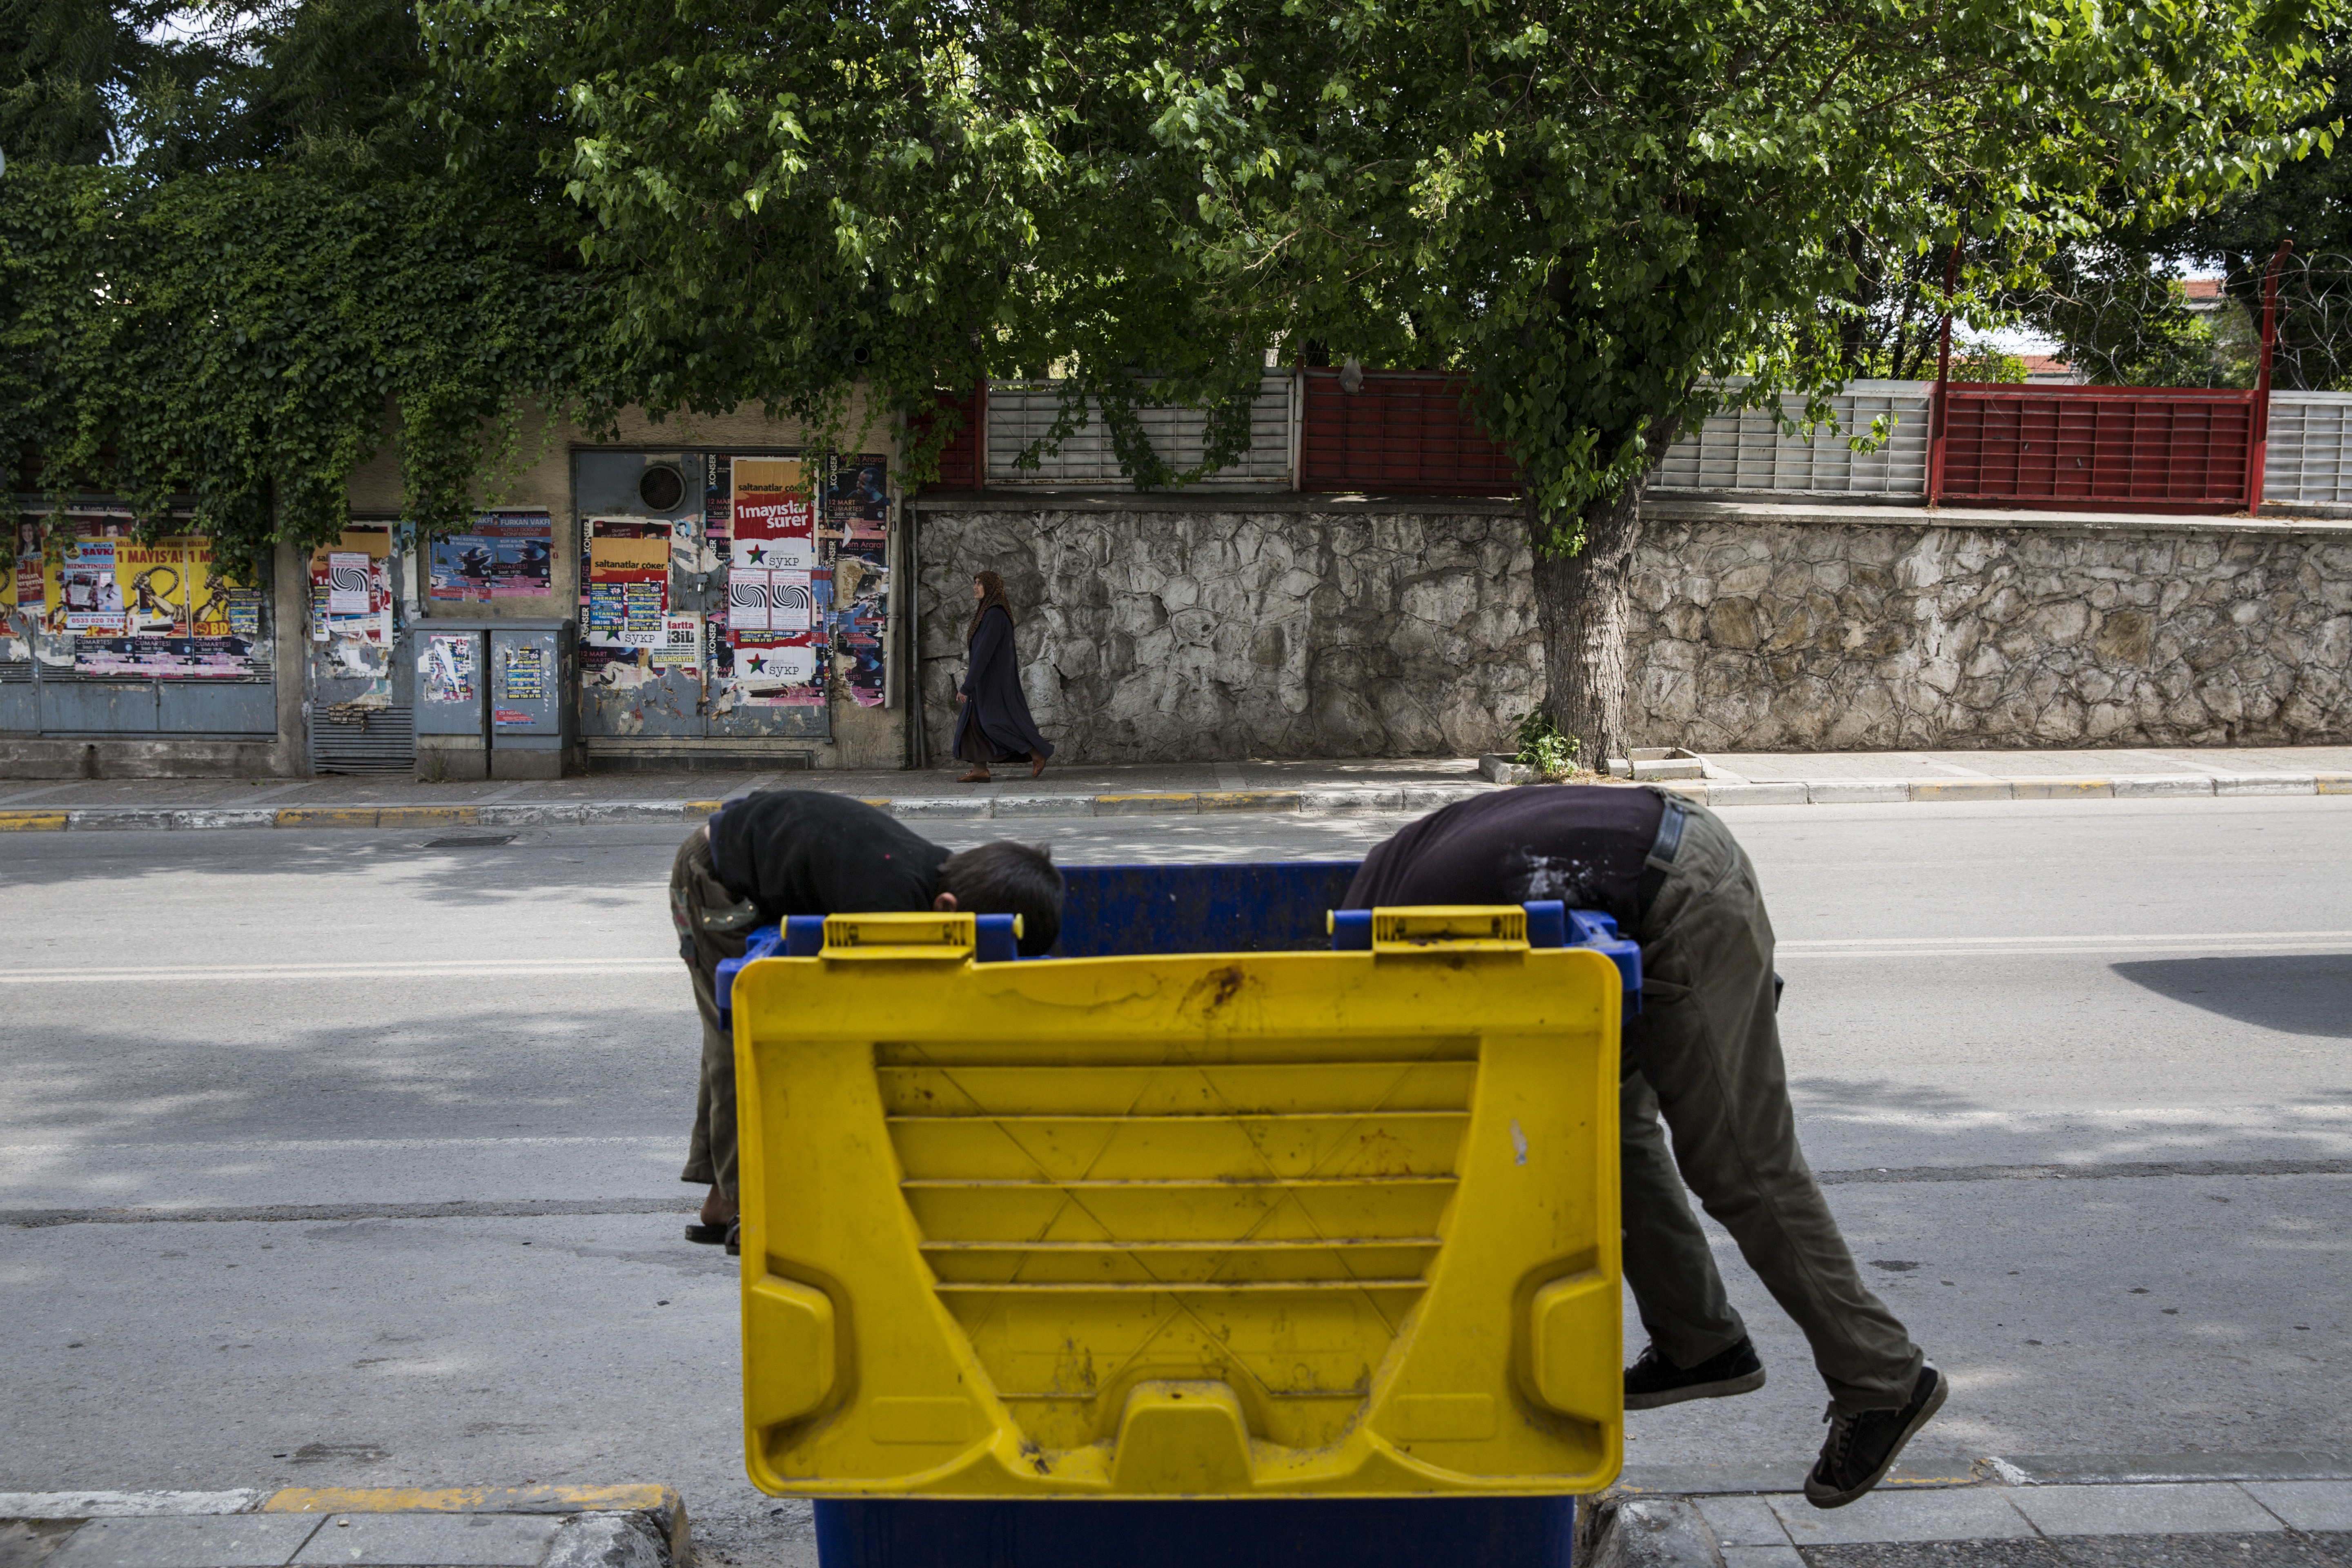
x: 27, y: 1542
x: 1761, y: 1557
x: 432, y: 1540
x: 2216, y: 1549
x: 1742, y: 1520
x: 2025, y: 1551
x: 1959, y: 1514
x: 205, y: 1541
x: 2166, y: 1510
x: 2312, y: 1506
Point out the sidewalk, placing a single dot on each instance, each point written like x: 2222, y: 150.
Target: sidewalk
x: 1326, y: 788
x: 2254, y: 1510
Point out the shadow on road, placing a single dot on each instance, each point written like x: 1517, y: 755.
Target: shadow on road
x: 2296, y: 993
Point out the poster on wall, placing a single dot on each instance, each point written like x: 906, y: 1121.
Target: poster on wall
x: 772, y: 631
x: 89, y: 590
x: 626, y: 587
x: 500, y: 555
x: 351, y: 596
x: 855, y: 575
x: 446, y: 669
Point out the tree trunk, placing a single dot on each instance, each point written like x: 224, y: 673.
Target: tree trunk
x: 1580, y: 604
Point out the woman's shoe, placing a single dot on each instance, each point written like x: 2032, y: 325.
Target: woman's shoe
x: 1036, y: 766
x: 976, y: 778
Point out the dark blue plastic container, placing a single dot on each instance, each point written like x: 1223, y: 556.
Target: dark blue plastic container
x: 1246, y: 908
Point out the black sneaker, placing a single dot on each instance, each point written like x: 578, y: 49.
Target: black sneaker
x: 1653, y: 1381
x: 1862, y: 1444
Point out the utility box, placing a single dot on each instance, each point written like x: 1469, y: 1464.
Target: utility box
x: 528, y: 715
x: 453, y: 735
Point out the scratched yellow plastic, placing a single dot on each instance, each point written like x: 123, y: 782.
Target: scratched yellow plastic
x: 1224, y: 1225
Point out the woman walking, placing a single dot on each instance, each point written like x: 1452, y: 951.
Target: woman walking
x: 994, y: 725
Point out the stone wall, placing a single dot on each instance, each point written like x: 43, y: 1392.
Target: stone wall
x: 1155, y: 630
x: 1778, y: 628
x: 1206, y: 631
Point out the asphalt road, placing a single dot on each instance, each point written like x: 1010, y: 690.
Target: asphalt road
x: 2079, y: 1075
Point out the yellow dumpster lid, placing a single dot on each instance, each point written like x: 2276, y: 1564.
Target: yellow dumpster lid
x: 1209, y: 1224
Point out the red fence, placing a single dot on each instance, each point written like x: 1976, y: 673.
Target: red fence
x: 2132, y: 448
x: 1401, y: 431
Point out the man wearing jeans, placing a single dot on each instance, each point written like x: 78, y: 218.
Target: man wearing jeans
x: 1703, y: 1054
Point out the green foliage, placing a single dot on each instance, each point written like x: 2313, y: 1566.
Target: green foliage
x: 1543, y: 748
x: 242, y: 336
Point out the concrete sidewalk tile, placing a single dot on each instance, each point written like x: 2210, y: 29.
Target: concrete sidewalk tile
x: 1742, y: 1520
x: 527, y: 816
x: 947, y: 805
x: 1154, y: 804
x: 2183, y: 1507
x: 1962, y: 789
x: 1349, y: 802
x: 432, y: 1540
x: 214, y: 1540
x: 1789, y: 793
x: 1248, y: 800
x: 2315, y: 1507
x: 119, y: 819
x: 1689, y: 789
x: 34, y: 821
x: 1783, y: 1556
x: 1008, y: 805
x: 1955, y: 1515
x: 1429, y: 797
x: 1838, y: 792
x: 2063, y: 789
x: 121, y: 1505
x: 222, y: 816
x: 2151, y: 785
x: 2265, y: 783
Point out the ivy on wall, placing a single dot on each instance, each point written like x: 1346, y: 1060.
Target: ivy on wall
x: 249, y: 337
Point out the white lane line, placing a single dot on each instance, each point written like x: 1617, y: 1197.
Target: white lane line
x: 198, y: 973
x: 2164, y: 943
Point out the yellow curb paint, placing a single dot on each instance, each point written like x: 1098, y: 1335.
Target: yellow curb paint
x: 1145, y: 804
x: 32, y: 821
x: 2333, y: 783
x: 469, y: 1500
x: 1694, y: 789
x: 704, y: 807
x: 328, y: 816
x: 1248, y: 800
x: 1961, y: 789
x: 425, y: 816
x: 2062, y: 789
x: 882, y: 802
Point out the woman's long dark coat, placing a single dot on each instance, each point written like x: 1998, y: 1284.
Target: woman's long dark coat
x: 993, y: 702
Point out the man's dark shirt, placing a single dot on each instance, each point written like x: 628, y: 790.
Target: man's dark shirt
x: 1581, y: 843
x: 801, y: 852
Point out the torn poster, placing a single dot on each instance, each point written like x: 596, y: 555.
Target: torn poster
x: 522, y: 674
x: 446, y: 667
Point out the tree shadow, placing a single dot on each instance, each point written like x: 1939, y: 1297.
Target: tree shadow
x: 2295, y: 993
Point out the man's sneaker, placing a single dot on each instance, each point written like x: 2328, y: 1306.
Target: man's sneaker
x: 1653, y: 1381
x: 1862, y: 1444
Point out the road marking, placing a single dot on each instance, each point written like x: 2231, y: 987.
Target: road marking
x: 455, y: 968
x: 2154, y: 943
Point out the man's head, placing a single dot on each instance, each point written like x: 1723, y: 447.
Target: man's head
x: 1007, y: 879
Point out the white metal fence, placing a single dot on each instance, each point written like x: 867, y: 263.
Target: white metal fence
x: 1020, y: 413
x: 2309, y: 460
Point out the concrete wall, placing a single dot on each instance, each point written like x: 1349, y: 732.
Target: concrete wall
x: 1164, y: 628
x: 1276, y: 627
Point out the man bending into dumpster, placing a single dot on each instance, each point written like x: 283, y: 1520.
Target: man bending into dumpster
x: 801, y: 852
x: 1704, y: 1054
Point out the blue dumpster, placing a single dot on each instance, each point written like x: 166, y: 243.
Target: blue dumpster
x: 1115, y: 911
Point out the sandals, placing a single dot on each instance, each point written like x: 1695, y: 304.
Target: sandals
x: 1036, y: 766
x: 979, y: 778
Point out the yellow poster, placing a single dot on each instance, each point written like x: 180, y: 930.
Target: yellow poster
x: 154, y: 583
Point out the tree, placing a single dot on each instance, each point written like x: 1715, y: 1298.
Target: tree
x: 1594, y: 211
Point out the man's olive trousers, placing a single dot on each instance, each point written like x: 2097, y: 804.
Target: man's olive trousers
x: 1704, y: 1054
x: 712, y: 924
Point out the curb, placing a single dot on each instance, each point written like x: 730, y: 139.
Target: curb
x: 1304, y: 802
x: 601, y: 1527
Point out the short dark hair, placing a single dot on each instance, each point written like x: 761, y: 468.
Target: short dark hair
x: 1008, y: 878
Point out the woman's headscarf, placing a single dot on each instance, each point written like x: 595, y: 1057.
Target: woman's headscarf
x: 992, y: 597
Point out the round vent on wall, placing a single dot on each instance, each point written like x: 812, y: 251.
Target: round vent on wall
x: 661, y: 487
